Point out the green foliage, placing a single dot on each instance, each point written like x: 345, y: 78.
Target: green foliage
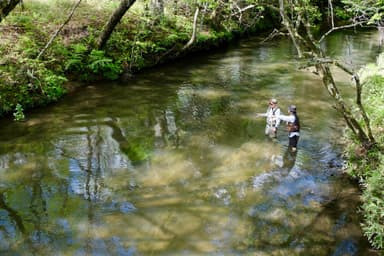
x: 171, y: 40
x: 373, y: 208
x: 95, y: 63
x: 25, y: 21
x: 374, y: 93
x: 98, y: 63
x: 19, y: 113
x: 54, y: 86
x: 31, y: 85
x: 369, y: 166
x: 43, y: 82
x: 76, y: 59
x: 342, y: 14
x: 27, y: 45
x: 368, y: 10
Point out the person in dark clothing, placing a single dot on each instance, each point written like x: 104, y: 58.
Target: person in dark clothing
x: 293, y: 126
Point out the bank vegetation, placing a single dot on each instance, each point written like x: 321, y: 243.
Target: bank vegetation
x: 367, y: 166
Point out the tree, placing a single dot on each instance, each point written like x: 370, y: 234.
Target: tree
x: 113, y: 21
x: 7, y: 6
x: 370, y: 11
x: 194, y: 30
x: 298, y: 18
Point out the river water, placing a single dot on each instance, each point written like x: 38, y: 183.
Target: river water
x: 175, y: 162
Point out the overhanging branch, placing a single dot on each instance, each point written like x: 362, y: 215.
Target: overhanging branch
x: 339, y: 28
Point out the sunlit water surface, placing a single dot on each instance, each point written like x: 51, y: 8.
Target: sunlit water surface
x: 175, y: 162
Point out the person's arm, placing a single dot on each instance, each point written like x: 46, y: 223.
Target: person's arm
x: 263, y: 114
x: 289, y: 118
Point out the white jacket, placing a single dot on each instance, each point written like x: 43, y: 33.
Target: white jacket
x: 272, y: 116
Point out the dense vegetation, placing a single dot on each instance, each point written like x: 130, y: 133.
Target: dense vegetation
x: 40, y: 54
x: 368, y: 166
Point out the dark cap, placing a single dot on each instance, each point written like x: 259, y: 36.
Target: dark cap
x: 292, y: 109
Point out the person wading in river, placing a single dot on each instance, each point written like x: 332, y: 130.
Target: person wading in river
x: 293, y: 127
x: 272, y: 121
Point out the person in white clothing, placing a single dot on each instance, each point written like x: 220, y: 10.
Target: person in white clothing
x: 273, y: 121
x: 293, y: 127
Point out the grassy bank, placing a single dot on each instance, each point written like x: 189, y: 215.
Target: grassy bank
x: 368, y: 167
x: 140, y: 40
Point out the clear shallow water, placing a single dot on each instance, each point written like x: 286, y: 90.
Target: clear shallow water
x: 175, y: 162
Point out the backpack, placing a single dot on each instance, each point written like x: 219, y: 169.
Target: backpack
x: 295, y: 126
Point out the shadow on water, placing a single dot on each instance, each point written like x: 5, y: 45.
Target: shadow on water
x: 178, y: 164
x: 307, y: 212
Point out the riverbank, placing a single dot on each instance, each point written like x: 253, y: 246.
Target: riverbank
x: 368, y: 167
x: 32, y: 77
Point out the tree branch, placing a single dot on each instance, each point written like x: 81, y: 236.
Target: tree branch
x: 339, y: 28
x: 359, y: 90
x: 274, y: 33
x: 113, y: 21
x: 243, y: 9
x: 59, y: 30
x: 331, y: 10
x: 193, y: 37
x: 287, y: 23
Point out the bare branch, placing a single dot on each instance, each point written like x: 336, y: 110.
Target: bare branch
x: 274, y: 33
x: 59, y: 30
x: 240, y: 11
x: 193, y: 37
x: 341, y: 27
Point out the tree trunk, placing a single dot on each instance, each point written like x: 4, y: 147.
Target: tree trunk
x: 113, y: 21
x: 343, y: 108
x: 289, y: 26
x: 331, y: 16
x: 6, y: 7
x: 193, y: 37
x: 381, y: 34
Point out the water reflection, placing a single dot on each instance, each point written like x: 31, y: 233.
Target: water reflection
x: 179, y: 165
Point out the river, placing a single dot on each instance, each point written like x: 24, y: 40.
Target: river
x: 175, y: 162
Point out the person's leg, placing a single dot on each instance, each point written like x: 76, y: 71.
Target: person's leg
x: 293, y: 142
x: 270, y: 131
x: 267, y: 130
x: 273, y: 132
